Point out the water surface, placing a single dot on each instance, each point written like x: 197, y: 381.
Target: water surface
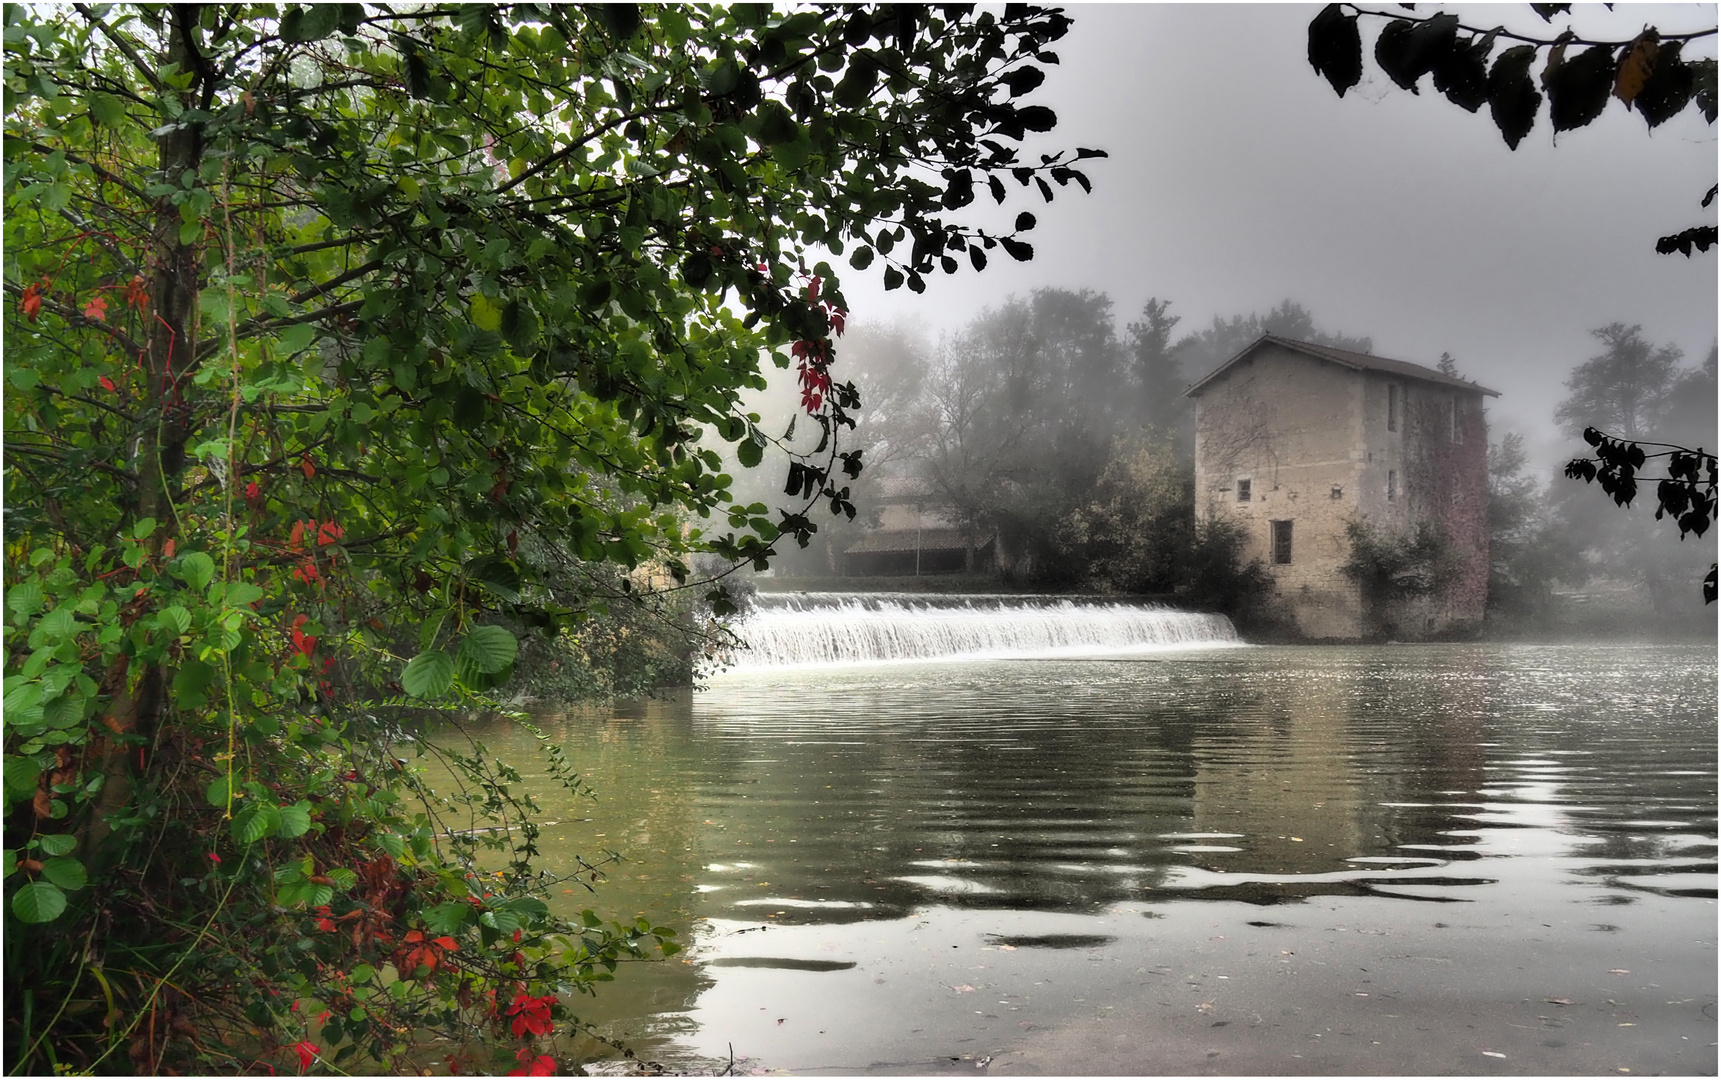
x: 1437, y: 859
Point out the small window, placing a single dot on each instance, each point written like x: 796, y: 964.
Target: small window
x: 1243, y: 490
x: 1391, y: 485
x: 1282, y: 542
x: 1457, y: 421
x: 1392, y: 408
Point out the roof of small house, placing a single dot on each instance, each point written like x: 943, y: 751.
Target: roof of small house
x: 940, y: 539
x: 904, y: 489
x: 1345, y: 358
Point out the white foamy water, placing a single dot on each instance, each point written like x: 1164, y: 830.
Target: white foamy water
x: 794, y: 629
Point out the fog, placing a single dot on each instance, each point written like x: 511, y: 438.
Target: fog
x: 1237, y: 179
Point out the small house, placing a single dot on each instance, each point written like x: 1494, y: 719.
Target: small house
x: 1306, y: 447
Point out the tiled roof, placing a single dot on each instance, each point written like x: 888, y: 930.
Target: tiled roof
x: 1346, y: 358
x: 904, y: 487
x: 911, y: 539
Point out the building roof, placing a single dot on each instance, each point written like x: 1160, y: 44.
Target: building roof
x: 912, y: 539
x: 1345, y: 358
x: 904, y: 488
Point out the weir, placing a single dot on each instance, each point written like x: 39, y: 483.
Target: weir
x: 792, y: 629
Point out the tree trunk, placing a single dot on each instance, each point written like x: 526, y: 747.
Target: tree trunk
x: 136, y: 693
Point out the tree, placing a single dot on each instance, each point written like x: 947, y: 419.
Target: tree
x: 1206, y: 349
x: 1624, y: 389
x: 1529, y: 549
x: 349, y: 335
x: 1158, y: 373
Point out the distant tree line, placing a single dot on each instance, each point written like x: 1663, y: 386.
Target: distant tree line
x: 1043, y: 424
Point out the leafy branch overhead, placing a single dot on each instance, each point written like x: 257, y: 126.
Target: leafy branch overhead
x: 1686, y: 492
x: 1574, y: 75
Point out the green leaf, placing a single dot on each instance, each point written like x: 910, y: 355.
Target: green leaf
x: 749, y: 453
x: 296, y: 339
x: 295, y: 820
x: 489, y: 649
x: 428, y: 675
x: 486, y: 314
x: 38, y: 902
x: 257, y: 820
x: 448, y: 918
x: 175, y: 619
x: 21, y: 774
x: 66, y: 872
x: 24, y: 600
x: 56, y: 844
x: 106, y: 109
x: 195, y: 568
x: 143, y: 528
x: 312, y: 22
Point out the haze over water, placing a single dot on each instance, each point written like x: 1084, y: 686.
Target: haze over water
x: 1435, y: 859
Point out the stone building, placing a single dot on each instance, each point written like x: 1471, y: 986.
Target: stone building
x: 1295, y: 441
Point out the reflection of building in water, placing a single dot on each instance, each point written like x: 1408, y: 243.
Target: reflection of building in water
x: 1284, y: 780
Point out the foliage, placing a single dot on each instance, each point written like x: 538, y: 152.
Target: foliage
x: 1626, y: 388
x: 1645, y: 73
x: 1159, y: 374
x: 1393, y: 566
x: 1685, y: 492
x: 1529, y: 548
x: 1139, y: 534
x: 342, y: 341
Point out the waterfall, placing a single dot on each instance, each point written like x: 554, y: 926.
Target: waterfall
x: 785, y: 629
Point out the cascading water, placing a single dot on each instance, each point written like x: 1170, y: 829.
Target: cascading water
x: 787, y: 629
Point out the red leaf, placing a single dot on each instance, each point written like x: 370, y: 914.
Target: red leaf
x: 168, y: 548
x: 107, y: 384
x: 297, y: 536
x: 307, y: 1052
x: 136, y: 296
x: 309, y: 469
x: 97, y: 308
x: 327, y: 533
x: 31, y: 303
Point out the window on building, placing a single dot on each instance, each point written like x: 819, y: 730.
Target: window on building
x: 1391, y: 485
x: 1282, y: 542
x: 1243, y: 486
x: 1392, y: 408
x: 1457, y: 421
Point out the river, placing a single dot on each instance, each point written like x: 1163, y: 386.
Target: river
x: 1467, y: 859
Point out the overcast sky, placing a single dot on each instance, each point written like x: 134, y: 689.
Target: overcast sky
x: 1237, y: 179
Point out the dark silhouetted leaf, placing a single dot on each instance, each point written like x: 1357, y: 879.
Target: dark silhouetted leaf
x: 1462, y: 73
x: 1024, y: 221
x: 620, y: 20
x: 1022, y: 80
x: 1548, y: 11
x: 1037, y: 118
x: 1578, y: 88
x: 1335, y: 48
x: 1407, y: 51
x: 1512, y: 98
x: 1016, y: 249
x: 1668, y: 88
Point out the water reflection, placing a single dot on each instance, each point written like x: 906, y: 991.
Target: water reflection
x: 843, y: 809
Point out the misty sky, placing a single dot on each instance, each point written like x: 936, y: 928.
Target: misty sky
x: 1237, y: 179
